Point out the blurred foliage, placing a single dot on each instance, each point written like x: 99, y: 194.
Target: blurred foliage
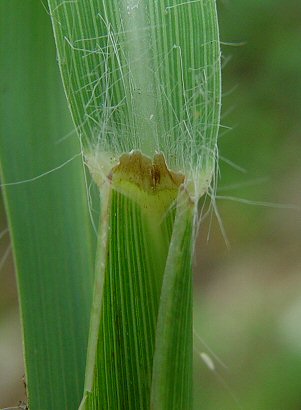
x: 248, y: 299
x: 266, y: 109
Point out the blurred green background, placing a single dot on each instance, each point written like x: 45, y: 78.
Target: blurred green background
x: 248, y: 296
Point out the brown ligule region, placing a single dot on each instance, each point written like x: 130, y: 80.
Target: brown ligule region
x: 150, y: 175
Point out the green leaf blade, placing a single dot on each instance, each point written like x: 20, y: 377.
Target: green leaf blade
x: 144, y: 76
x: 48, y: 215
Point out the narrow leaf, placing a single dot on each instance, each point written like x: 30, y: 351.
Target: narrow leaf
x: 48, y: 215
x: 172, y: 375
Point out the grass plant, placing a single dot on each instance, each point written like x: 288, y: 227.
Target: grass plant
x: 142, y: 81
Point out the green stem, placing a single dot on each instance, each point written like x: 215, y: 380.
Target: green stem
x: 146, y: 236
